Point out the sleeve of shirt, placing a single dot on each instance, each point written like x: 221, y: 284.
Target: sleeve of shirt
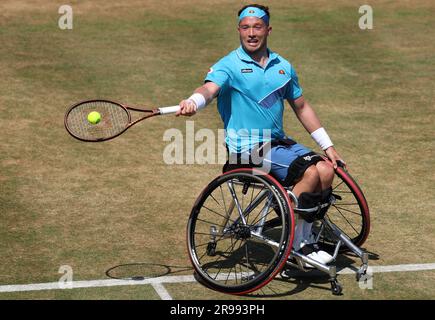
x: 219, y: 74
x: 294, y: 90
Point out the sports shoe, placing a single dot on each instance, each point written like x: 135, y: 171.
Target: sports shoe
x: 312, y: 251
x: 325, y: 256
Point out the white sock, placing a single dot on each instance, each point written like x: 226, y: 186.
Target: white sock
x: 307, y: 232
x: 302, y: 234
x: 298, y: 237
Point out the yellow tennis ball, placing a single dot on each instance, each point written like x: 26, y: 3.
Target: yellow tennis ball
x: 94, y: 117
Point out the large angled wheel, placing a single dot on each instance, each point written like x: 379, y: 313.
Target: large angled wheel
x: 350, y: 212
x: 240, y: 231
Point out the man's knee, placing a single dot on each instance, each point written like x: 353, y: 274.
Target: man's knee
x: 325, y: 172
x: 311, y: 175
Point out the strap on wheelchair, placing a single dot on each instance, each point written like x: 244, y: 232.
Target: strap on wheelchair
x: 319, y: 201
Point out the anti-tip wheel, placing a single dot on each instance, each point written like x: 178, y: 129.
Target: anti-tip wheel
x: 336, y: 288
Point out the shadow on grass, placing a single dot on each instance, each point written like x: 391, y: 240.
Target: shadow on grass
x: 141, y: 271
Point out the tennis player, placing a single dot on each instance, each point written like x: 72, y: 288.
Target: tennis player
x: 251, y: 84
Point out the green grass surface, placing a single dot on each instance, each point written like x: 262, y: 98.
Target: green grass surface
x: 96, y: 206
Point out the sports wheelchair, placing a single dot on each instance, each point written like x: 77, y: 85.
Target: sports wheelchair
x: 241, y: 227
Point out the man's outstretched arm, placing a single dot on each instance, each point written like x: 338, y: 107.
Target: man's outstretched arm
x: 201, y: 97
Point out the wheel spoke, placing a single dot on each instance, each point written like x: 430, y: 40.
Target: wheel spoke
x: 223, y: 199
x: 211, y: 195
x: 212, y: 223
x: 225, y: 217
x: 333, y: 189
x: 351, y: 225
x: 347, y: 210
x: 222, y: 255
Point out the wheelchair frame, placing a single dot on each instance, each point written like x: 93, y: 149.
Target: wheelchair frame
x: 272, y: 197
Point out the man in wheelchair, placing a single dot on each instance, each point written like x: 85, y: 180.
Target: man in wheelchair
x: 251, y: 84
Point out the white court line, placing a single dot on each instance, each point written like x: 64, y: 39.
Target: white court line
x: 157, y: 282
x: 94, y: 283
x: 161, y: 291
x: 396, y: 268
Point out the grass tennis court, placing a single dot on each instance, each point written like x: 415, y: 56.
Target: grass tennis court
x: 117, y: 206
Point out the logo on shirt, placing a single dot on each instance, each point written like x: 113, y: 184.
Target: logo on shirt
x: 281, y: 71
x: 210, y: 70
x: 246, y: 70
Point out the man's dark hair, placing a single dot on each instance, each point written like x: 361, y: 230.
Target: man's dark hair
x: 259, y: 6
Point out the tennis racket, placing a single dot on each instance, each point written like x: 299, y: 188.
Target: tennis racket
x: 115, y: 119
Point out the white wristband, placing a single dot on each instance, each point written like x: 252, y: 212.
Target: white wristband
x: 199, y: 100
x: 321, y: 138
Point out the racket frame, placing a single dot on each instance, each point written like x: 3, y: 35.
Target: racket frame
x: 151, y: 113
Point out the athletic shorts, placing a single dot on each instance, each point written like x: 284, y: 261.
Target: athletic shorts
x: 287, y: 162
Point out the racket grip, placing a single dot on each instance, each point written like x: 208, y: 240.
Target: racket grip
x: 167, y: 110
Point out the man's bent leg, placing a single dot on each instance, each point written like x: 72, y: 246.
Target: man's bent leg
x: 309, y: 183
x: 316, y: 179
x: 296, y: 165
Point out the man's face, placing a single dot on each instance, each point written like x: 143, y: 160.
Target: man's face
x: 253, y: 34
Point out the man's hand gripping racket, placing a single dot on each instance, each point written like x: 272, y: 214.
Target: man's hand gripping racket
x: 115, y: 119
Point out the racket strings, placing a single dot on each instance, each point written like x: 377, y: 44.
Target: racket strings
x: 114, y: 120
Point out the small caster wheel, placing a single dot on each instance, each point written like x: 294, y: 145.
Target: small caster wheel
x: 336, y: 288
x: 211, y: 249
x: 285, y: 273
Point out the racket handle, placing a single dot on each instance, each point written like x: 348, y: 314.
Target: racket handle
x: 167, y: 110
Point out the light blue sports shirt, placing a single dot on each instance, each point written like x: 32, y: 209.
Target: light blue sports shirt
x: 251, y: 97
